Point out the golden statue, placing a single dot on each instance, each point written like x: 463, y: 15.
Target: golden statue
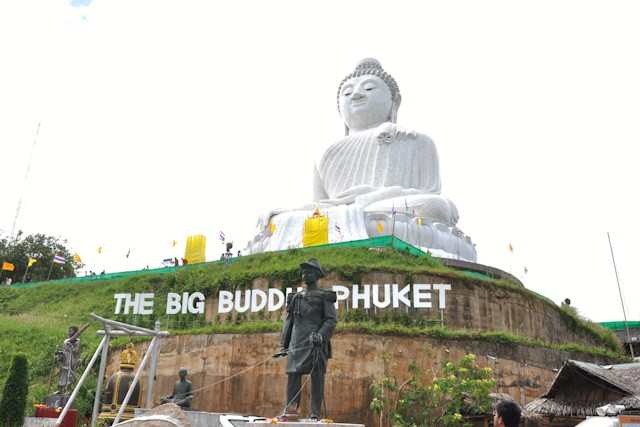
x: 118, y: 386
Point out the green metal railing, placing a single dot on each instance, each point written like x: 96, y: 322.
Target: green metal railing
x: 619, y: 326
x: 375, y: 242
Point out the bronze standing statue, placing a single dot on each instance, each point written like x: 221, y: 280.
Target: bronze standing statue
x: 68, y: 360
x: 306, y: 339
x: 182, y: 391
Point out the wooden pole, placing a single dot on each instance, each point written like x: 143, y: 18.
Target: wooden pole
x: 624, y: 312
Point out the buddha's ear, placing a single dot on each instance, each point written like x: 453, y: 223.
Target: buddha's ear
x: 393, y: 116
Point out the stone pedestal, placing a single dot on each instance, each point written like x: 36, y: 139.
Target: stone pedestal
x: 196, y: 418
x: 39, y: 422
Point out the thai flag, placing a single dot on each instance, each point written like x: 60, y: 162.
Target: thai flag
x: 58, y: 259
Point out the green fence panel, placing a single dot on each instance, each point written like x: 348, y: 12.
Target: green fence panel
x: 375, y: 242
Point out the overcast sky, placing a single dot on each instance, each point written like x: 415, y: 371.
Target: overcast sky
x: 162, y: 119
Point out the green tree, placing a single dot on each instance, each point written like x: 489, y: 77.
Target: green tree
x: 14, y: 394
x: 42, y: 248
x: 462, y: 389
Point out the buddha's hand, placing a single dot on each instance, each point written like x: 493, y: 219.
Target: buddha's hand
x: 384, y: 193
x: 316, y: 339
x: 350, y: 195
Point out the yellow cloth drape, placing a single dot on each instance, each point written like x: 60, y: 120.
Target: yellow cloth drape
x: 195, y: 251
x: 8, y: 266
x: 316, y: 230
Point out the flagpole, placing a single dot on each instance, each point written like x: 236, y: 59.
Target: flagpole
x: 24, y: 278
x: 50, y: 267
x: 624, y: 312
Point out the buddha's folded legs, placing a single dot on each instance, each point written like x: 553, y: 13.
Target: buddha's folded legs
x: 433, y: 207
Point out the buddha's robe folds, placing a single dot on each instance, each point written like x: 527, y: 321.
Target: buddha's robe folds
x: 377, y: 158
x: 377, y: 170
x: 382, y: 168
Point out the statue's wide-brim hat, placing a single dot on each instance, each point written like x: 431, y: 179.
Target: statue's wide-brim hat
x: 313, y: 263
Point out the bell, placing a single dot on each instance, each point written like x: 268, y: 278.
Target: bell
x: 117, y: 389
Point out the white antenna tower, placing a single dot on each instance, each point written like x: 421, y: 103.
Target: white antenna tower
x: 24, y: 183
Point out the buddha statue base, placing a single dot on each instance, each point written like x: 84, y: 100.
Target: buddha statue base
x: 352, y: 222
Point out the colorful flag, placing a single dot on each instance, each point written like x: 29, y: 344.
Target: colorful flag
x: 99, y: 250
x: 272, y: 228
x: 57, y: 259
x: 77, y: 259
x: 222, y: 237
x: 8, y: 266
x: 128, y: 253
x: 31, y: 261
x: 380, y: 227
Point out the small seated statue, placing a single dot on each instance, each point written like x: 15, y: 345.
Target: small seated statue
x: 378, y: 174
x: 182, y: 391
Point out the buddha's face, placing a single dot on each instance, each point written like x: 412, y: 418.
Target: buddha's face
x: 365, y: 102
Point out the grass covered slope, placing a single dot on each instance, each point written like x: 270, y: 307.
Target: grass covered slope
x: 35, y: 320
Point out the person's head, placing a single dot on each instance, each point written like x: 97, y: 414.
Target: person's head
x: 182, y: 373
x: 368, y: 97
x: 72, y: 330
x: 311, y: 271
x: 507, y: 414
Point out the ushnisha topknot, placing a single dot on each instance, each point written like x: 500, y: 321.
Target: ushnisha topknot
x: 371, y: 66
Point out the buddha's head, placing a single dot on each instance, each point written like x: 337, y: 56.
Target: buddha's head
x: 368, y: 97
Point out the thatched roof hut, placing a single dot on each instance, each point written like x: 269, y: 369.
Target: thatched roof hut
x: 580, y: 388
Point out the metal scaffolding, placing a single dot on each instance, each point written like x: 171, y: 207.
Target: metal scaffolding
x: 112, y: 328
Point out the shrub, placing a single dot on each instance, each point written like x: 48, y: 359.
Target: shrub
x: 462, y: 389
x: 14, y: 394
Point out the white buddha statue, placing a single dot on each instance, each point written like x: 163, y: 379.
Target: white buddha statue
x: 377, y: 180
